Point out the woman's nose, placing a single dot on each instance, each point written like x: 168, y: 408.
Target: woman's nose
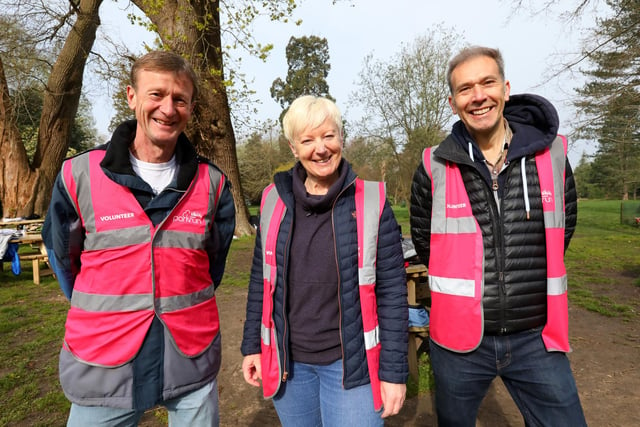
x: 320, y: 146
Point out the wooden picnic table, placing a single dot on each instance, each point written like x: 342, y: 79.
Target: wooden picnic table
x: 37, y: 253
x: 418, y: 285
x: 33, y: 239
x: 19, y: 223
x: 418, y: 293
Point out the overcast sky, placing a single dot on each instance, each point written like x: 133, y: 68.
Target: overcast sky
x: 533, y: 46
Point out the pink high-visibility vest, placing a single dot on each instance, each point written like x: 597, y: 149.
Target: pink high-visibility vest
x: 369, y: 198
x: 132, y: 270
x: 456, y: 261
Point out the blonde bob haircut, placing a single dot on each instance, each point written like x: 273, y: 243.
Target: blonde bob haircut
x: 309, y: 111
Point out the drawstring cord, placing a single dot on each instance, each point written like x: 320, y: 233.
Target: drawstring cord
x: 525, y: 188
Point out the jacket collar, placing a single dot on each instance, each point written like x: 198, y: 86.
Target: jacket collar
x: 284, y: 182
x: 116, y: 159
x: 533, y: 120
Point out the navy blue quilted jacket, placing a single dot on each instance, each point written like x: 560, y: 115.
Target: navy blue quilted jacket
x: 391, y: 289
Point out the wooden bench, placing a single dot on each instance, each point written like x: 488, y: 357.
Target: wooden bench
x: 416, y: 333
x: 36, y: 259
x: 417, y: 294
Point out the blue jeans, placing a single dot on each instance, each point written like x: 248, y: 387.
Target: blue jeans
x: 313, y: 396
x: 541, y: 383
x: 198, y: 408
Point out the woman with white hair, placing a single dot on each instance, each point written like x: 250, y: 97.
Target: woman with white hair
x: 326, y: 324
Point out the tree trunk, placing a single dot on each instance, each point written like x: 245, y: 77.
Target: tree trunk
x: 192, y: 29
x: 15, y: 172
x: 25, y: 188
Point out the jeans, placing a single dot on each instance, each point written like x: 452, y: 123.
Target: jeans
x: 313, y: 396
x: 541, y: 383
x: 198, y: 408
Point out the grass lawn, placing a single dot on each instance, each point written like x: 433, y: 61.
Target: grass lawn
x: 603, y: 254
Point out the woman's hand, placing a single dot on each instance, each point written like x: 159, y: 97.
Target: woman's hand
x: 392, y: 397
x: 252, y: 369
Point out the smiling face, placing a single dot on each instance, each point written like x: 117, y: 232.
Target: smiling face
x: 163, y: 104
x: 478, y: 96
x: 319, y: 150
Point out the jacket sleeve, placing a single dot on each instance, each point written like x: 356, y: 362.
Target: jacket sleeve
x: 63, y: 236
x: 391, y: 296
x: 225, y: 224
x: 251, y: 334
x: 420, y: 213
x: 570, y: 205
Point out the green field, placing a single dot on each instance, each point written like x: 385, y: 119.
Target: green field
x: 603, y: 255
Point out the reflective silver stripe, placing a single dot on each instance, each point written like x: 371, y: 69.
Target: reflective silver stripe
x: 265, y: 333
x: 439, y: 201
x: 179, y: 302
x: 558, y: 162
x: 115, y: 303
x: 117, y: 238
x: 452, y: 286
x: 372, y: 338
x: 554, y: 219
x: 557, y: 285
x: 269, y: 205
x: 266, y: 270
x: 462, y: 225
x: 216, y: 180
x: 179, y: 239
x: 440, y: 223
x: 80, y: 170
x: 371, y: 220
x: 134, y: 302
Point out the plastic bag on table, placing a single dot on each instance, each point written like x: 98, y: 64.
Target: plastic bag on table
x: 418, y: 316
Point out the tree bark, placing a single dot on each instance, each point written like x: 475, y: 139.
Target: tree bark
x: 25, y: 188
x: 192, y: 29
x: 15, y: 171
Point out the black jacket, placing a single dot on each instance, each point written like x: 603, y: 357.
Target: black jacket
x: 514, y: 296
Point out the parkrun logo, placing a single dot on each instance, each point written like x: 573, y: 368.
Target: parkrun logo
x: 117, y: 217
x: 189, y: 217
x: 547, y: 196
x: 456, y: 206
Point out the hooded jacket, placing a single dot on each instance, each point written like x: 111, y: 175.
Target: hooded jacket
x: 390, y: 289
x: 514, y: 297
x: 158, y: 371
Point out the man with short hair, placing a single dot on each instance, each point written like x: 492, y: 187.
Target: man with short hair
x: 138, y: 232
x: 493, y: 209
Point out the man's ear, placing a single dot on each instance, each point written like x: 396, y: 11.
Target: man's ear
x: 507, y: 90
x: 453, y: 105
x: 131, y: 97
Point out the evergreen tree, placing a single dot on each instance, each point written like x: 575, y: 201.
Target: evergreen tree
x: 610, y: 101
x: 308, y: 60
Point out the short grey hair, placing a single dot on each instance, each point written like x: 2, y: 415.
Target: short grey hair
x: 472, y: 52
x: 309, y: 111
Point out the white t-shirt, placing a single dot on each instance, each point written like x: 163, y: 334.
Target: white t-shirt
x: 157, y: 175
